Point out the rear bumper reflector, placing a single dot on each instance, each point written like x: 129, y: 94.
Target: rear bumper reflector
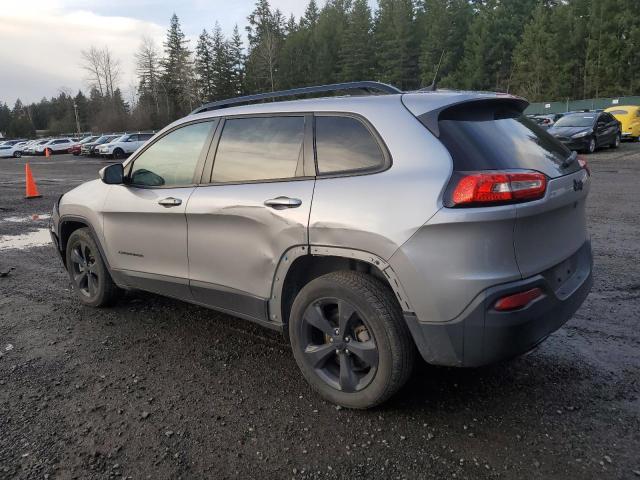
x: 517, y: 300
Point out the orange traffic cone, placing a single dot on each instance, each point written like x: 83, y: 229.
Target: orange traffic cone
x: 32, y: 188
x: 47, y: 152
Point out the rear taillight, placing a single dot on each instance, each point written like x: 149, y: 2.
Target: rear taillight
x: 493, y: 187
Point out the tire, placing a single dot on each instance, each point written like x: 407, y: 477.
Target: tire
x: 95, y: 288
x: 616, y: 141
x: 17, y: 154
x: 325, y: 348
x: 118, y: 153
x: 592, y: 146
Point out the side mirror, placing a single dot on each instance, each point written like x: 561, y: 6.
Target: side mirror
x: 112, y: 174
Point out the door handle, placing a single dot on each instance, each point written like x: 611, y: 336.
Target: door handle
x: 170, y: 202
x: 280, y: 203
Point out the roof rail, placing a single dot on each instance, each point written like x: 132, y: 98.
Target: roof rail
x: 334, y: 87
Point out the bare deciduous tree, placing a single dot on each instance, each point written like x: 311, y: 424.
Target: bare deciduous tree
x: 102, y: 68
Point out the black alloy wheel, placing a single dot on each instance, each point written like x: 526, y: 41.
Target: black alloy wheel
x: 84, y: 269
x: 338, y: 344
x: 88, y: 272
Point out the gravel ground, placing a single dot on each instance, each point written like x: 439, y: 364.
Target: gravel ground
x: 156, y: 388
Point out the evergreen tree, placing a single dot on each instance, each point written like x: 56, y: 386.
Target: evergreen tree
x: 177, y: 76
x: 328, y: 38
x: 443, y: 27
x: 204, y: 67
x: 237, y: 60
x: 492, y: 37
x: 535, y: 58
x: 395, y: 43
x: 265, y: 33
x: 222, y: 66
x: 355, y: 52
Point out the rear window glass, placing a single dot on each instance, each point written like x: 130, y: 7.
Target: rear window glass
x: 492, y: 137
x: 618, y: 112
x: 344, y: 144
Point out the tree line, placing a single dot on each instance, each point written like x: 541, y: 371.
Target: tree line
x: 540, y: 49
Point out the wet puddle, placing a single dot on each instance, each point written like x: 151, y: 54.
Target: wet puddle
x: 29, y: 218
x: 37, y: 238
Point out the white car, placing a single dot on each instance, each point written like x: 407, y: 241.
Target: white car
x: 31, y: 148
x: 124, y: 146
x: 12, y: 149
x: 56, y: 145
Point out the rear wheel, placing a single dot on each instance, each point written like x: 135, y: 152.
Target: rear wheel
x: 350, y: 340
x: 616, y: 141
x: 88, y: 273
x: 17, y: 154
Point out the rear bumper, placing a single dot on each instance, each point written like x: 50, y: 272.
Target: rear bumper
x: 481, y: 335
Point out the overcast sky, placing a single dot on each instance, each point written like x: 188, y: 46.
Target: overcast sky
x: 41, y: 40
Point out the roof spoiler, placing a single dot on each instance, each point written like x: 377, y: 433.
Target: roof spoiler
x: 430, y: 119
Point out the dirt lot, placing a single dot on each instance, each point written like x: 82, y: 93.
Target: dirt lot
x: 159, y: 389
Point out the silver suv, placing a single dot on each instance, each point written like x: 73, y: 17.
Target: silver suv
x: 366, y: 228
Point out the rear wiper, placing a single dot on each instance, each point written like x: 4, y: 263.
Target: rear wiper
x: 570, y: 160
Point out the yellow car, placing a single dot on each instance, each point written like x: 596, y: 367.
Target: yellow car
x: 629, y: 117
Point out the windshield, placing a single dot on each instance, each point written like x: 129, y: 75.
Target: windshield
x: 103, y: 139
x: 576, y: 120
x: 123, y: 138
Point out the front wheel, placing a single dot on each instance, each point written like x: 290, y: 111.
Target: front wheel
x: 118, y: 153
x: 17, y: 154
x: 88, y: 273
x: 350, y: 340
x: 592, y: 146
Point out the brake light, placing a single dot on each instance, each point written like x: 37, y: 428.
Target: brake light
x: 498, y: 187
x: 517, y: 300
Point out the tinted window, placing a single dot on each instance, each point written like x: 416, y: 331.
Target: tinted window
x: 171, y: 161
x: 618, y: 112
x: 345, y: 144
x: 489, y: 137
x: 145, y: 136
x: 262, y: 148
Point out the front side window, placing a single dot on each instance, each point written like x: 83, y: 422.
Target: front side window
x: 172, y: 160
x: 261, y: 148
x: 344, y: 144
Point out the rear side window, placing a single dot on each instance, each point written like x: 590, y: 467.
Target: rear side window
x: 495, y: 136
x: 261, y: 148
x: 344, y: 144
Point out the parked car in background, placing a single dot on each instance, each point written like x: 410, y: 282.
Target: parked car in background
x: 31, y: 148
x: 587, y: 131
x: 546, y: 121
x: 629, y: 118
x: 11, y: 149
x: 90, y: 148
x: 55, y: 145
x: 321, y: 218
x: 76, y: 147
x: 124, y: 146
